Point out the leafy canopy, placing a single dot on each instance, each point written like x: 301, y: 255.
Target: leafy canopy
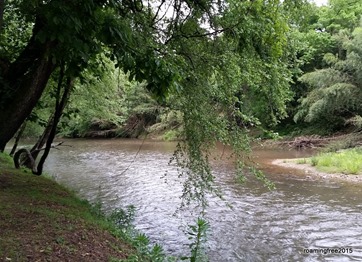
x: 221, y: 64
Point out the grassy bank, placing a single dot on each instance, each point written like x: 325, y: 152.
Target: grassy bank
x: 347, y: 161
x: 42, y: 221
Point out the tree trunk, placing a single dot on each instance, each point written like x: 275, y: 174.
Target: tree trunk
x: 47, y: 136
x: 52, y: 119
x: 60, y: 104
x: 25, y: 82
x: 2, y: 7
x: 35, y: 150
x: 17, y: 138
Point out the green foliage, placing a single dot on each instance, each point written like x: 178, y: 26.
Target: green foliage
x: 5, y: 159
x: 310, y: 47
x: 314, y: 161
x: 259, y: 68
x: 335, y: 93
x: 235, y: 81
x: 222, y: 67
x: 123, y: 219
x: 302, y: 161
x: 95, y: 101
x: 170, y: 135
x: 197, y: 233
x: 302, y: 15
x: 341, y: 14
x: 355, y: 121
x: 120, y: 223
x: 321, y: 45
x: 33, y: 129
x: 346, y: 161
x: 169, y: 124
x: 15, y: 33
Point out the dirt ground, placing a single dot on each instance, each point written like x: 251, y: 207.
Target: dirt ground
x: 41, y: 221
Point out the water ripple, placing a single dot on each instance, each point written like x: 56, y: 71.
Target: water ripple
x: 261, y: 226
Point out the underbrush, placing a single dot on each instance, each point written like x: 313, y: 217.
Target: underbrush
x: 122, y: 225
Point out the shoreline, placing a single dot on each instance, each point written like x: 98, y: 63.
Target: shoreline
x: 310, y: 171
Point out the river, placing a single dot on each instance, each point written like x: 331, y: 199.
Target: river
x: 262, y: 225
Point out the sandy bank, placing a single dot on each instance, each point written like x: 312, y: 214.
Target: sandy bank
x: 309, y: 170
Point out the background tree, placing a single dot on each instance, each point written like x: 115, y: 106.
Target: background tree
x: 335, y: 94
x: 340, y: 14
x: 325, y: 104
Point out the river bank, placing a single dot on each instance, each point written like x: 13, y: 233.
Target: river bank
x: 310, y: 171
x: 41, y: 220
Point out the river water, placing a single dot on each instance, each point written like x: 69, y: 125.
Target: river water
x: 261, y: 225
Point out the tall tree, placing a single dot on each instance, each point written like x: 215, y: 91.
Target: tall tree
x: 74, y: 32
x: 209, y: 57
x: 341, y: 14
x: 329, y: 95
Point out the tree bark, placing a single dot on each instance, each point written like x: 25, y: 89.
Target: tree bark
x: 38, y: 146
x: 52, y: 119
x: 48, y: 134
x: 25, y: 82
x: 2, y: 7
x: 60, y: 104
x: 17, y: 138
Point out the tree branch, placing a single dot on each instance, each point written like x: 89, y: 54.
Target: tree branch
x: 157, y: 12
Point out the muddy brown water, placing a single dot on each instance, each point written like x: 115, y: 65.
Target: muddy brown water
x: 262, y: 225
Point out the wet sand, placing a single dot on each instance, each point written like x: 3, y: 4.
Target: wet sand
x: 312, y: 171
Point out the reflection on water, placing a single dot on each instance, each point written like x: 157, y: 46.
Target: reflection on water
x: 262, y: 225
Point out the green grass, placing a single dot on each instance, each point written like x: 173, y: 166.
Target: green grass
x: 345, y: 161
x: 302, y: 161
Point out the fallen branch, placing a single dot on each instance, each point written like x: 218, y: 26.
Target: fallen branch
x: 303, y: 142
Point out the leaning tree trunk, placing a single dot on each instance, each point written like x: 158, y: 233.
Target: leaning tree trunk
x: 60, y: 104
x: 62, y: 97
x: 47, y: 136
x: 17, y: 138
x: 31, y: 156
x: 23, y: 84
x: 53, y: 120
